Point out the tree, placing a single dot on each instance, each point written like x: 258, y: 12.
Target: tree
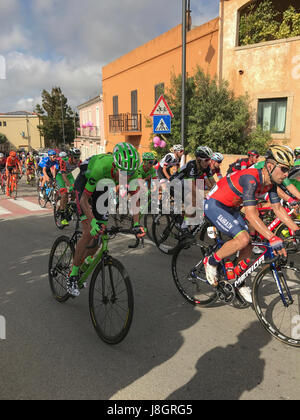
x: 3, y: 139
x: 56, y: 115
x: 262, y: 22
x: 214, y: 117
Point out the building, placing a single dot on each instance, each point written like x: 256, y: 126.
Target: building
x: 269, y: 72
x: 90, y: 138
x: 21, y: 130
x: 132, y: 84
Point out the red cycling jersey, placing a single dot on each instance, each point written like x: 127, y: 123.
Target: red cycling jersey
x: 242, y: 189
x: 11, y: 163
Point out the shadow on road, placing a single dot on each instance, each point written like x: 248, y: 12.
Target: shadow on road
x: 225, y: 373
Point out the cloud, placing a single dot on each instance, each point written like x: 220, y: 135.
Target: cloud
x: 50, y: 43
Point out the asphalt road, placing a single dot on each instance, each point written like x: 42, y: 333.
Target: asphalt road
x: 173, y: 350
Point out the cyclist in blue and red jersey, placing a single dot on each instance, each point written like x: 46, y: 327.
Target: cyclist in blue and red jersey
x: 244, y: 163
x: 241, y: 189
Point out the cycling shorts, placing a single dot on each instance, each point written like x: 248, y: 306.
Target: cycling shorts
x: 227, y: 220
x: 79, y: 187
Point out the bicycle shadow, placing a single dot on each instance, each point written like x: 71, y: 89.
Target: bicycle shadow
x: 225, y: 373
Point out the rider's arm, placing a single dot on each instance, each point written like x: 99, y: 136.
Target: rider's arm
x: 294, y: 191
x: 283, y: 216
x: 252, y: 216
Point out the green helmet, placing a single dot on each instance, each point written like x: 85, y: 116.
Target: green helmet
x: 126, y: 157
x: 148, y: 156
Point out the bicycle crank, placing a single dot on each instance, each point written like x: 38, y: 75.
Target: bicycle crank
x: 226, y: 292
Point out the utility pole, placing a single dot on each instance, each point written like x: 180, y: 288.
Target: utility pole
x: 28, y: 134
x: 183, y: 88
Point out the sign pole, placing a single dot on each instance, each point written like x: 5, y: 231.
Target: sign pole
x: 184, y: 12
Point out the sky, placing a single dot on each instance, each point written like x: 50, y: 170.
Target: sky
x: 47, y: 43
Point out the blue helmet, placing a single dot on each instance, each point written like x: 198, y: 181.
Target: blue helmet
x: 51, y: 153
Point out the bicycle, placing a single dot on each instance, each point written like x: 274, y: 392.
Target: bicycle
x: 12, y: 187
x: 48, y: 194
x: 111, y: 301
x: 275, y: 289
x: 3, y: 181
x: 70, y: 212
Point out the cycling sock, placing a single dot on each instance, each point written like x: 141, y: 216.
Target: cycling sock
x: 214, y: 260
x: 75, y: 271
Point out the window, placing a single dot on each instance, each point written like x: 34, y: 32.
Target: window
x: 158, y: 91
x: 272, y: 114
x: 134, y: 102
x: 4, y: 123
x: 115, y: 105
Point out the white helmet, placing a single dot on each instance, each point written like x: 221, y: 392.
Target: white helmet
x: 178, y: 148
x: 1, y: 155
x: 63, y: 154
x: 218, y: 157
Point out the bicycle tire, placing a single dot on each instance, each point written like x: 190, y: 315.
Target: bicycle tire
x: 60, y: 293
x: 269, y: 307
x: 187, y: 278
x: 122, y: 311
x: 57, y: 214
x: 165, y: 234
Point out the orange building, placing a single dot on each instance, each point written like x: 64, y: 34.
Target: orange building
x: 132, y: 83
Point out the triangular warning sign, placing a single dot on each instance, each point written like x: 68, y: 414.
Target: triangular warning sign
x: 162, y: 126
x: 161, y: 108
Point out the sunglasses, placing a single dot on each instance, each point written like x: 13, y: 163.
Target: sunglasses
x: 151, y: 162
x: 284, y: 169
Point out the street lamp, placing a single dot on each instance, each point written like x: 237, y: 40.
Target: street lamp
x: 62, y: 119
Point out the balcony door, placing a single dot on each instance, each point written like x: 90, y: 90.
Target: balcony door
x: 134, y: 109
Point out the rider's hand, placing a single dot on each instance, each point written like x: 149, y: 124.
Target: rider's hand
x: 278, y: 246
x: 71, y: 188
x: 292, y: 202
x: 95, y: 228
x: 139, y: 231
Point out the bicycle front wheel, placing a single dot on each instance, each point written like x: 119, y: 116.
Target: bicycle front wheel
x: 281, y: 320
x: 165, y: 233
x: 60, y: 266
x: 111, y: 301
x: 189, y: 275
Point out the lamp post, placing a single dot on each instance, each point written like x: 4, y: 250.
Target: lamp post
x: 62, y: 120
x: 183, y: 87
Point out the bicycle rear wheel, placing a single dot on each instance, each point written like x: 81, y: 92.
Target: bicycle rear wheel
x: 189, y: 275
x: 165, y: 233
x: 60, y: 265
x: 57, y: 213
x: 282, y: 322
x: 111, y: 301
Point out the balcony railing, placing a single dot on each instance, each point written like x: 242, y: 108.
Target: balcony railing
x: 120, y: 123
x: 89, y: 132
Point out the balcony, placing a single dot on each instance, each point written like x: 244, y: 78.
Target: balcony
x: 127, y: 124
x: 89, y: 132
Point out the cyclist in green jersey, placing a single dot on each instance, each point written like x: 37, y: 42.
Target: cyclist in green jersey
x: 146, y: 171
x: 89, y: 189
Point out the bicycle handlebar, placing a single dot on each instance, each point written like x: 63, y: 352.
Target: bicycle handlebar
x: 113, y: 231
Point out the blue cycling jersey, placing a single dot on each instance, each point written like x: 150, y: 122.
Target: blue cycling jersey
x: 47, y: 163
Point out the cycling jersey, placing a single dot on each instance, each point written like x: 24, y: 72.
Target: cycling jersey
x: 30, y: 162
x: 2, y: 163
x: 93, y: 170
x: 66, y: 166
x: 150, y: 174
x: 243, y: 188
x: 239, y: 165
x: 12, y: 163
x: 47, y: 163
x: 192, y: 171
x: 168, y: 162
x: 216, y: 171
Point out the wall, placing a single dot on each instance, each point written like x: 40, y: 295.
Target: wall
x: 269, y: 70
x: 15, y: 125
x: 151, y: 64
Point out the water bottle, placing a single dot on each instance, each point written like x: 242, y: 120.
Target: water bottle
x: 86, y: 263
x: 229, y: 270
x: 241, y: 267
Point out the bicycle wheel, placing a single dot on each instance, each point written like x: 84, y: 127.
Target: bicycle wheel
x: 282, y: 322
x: 60, y: 265
x: 14, y: 190
x: 189, y: 275
x: 165, y: 233
x: 57, y: 214
x: 111, y: 301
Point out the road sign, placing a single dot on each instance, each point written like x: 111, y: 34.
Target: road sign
x: 161, y: 108
x: 161, y: 124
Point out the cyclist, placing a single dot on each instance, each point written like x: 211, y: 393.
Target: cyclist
x: 30, y: 165
x: 242, y: 188
x: 146, y: 170
x: 12, y: 164
x: 2, y: 168
x: 193, y: 170
x: 170, y: 161
x: 88, y: 191
x: 48, y: 167
x: 65, y: 179
x: 297, y: 153
x: 215, y: 163
x: 244, y: 163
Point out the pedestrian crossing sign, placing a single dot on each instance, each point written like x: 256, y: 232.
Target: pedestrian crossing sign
x: 161, y: 124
